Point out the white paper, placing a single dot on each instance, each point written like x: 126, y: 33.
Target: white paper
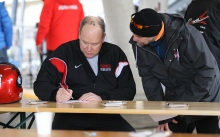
x: 71, y: 101
x: 149, y: 133
x: 141, y: 133
x: 157, y: 118
x: 161, y: 134
x: 114, y: 103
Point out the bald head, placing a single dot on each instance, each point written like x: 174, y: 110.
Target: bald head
x: 93, y: 22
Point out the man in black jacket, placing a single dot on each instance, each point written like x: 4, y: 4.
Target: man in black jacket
x: 172, y: 52
x: 90, y: 70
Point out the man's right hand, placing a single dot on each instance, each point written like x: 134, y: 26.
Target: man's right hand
x: 39, y: 48
x: 63, y: 95
x: 165, y: 126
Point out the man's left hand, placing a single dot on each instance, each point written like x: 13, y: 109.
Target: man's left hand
x: 90, y: 97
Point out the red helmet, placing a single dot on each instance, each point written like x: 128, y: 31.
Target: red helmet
x: 10, y: 83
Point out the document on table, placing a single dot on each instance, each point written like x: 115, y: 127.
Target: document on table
x: 72, y: 101
x: 148, y: 133
x: 157, y: 118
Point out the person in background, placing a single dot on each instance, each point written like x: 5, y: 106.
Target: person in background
x: 89, y: 70
x: 59, y: 23
x: 172, y: 52
x: 5, y: 33
x: 206, y: 19
x: 136, y: 5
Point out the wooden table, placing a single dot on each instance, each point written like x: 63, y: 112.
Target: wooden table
x: 72, y: 133
x: 131, y: 107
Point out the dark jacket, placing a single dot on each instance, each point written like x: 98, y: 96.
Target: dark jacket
x: 69, y: 66
x: 193, y: 76
x: 204, y: 15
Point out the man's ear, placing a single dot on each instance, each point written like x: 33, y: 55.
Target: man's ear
x: 104, y: 36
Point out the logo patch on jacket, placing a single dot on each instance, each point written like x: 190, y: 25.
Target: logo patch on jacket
x: 68, y: 7
x: 200, y: 19
x: 105, y: 67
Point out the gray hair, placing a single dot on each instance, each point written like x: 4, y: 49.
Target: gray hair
x: 92, y: 20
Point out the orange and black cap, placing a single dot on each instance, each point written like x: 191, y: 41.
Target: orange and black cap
x: 146, y: 23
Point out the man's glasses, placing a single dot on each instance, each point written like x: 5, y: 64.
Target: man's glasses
x: 139, y: 26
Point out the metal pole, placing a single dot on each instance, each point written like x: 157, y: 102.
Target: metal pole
x: 14, y: 11
x: 21, y: 31
x: 30, y: 68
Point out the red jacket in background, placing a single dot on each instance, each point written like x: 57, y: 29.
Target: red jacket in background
x: 59, y: 22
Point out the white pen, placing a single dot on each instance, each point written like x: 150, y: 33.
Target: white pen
x: 65, y: 89
x: 178, y: 56
x: 177, y: 104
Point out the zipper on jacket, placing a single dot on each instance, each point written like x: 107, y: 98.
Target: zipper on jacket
x: 171, y: 45
x: 166, y: 50
x: 153, y: 54
x: 94, y: 85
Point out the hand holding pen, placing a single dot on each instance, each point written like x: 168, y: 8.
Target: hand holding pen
x: 63, y: 94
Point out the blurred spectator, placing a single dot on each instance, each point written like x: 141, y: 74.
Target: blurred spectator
x: 136, y: 5
x: 206, y: 20
x: 42, y: 53
x: 5, y: 33
x: 59, y: 23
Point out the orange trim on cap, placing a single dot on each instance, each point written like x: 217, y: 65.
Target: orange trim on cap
x: 160, y: 34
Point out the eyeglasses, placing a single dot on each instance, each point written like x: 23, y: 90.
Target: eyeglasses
x: 139, y: 26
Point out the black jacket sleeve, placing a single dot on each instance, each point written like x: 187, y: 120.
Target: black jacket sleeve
x: 47, y: 82
x: 126, y: 89
x: 152, y: 86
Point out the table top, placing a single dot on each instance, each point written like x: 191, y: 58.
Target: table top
x: 131, y: 107
x: 74, y: 133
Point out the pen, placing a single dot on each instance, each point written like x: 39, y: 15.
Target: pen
x: 177, y: 104
x: 65, y: 89
x: 178, y: 56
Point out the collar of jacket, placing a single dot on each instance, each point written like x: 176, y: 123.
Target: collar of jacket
x: 103, y: 48
x: 174, y: 24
